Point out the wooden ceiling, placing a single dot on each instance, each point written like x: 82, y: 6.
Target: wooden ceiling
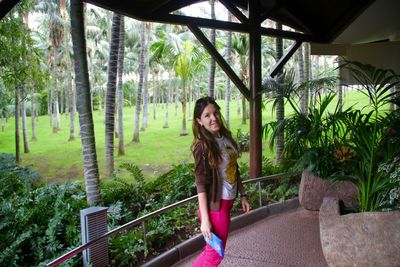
x: 318, y: 21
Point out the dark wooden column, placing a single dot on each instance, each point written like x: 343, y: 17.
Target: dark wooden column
x: 255, y: 88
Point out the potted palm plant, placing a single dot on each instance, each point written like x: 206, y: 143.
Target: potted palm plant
x: 375, y: 143
x: 312, y: 140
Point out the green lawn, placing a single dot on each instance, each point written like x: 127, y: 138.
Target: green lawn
x: 56, y: 159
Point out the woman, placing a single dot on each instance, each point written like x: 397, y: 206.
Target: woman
x: 217, y: 176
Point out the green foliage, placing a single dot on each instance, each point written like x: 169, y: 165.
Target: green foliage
x: 37, y: 222
x: 392, y: 170
x: 311, y: 139
x: 125, y: 198
x: 368, y: 136
x: 126, y: 248
x: 14, y: 178
x: 243, y: 140
x: 174, y: 185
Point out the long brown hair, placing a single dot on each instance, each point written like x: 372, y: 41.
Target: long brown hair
x: 203, y: 136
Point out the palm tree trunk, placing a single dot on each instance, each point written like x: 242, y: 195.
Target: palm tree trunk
x: 183, y: 131
x: 72, y: 110
x: 340, y: 87
x: 308, y: 76
x: 316, y: 74
x: 56, y: 113
x: 3, y: 123
x: 228, y: 81
x: 190, y: 95
x: 49, y: 106
x: 120, y: 91
x: 280, y: 105
x: 62, y: 97
x: 211, y: 78
x: 176, y: 99
x: 303, y: 94
x: 155, y: 89
x: 91, y: 170
x: 17, y: 134
x: 244, y: 111
x: 110, y: 95
x: 167, y: 99
x: 140, y: 85
x: 24, y: 124
x: 33, y: 115
x: 146, y: 98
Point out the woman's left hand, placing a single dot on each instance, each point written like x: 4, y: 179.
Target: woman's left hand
x: 245, y: 204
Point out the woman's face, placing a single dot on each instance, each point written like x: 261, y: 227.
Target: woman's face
x: 210, y: 119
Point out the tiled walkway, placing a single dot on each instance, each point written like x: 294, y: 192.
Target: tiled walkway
x: 286, y: 239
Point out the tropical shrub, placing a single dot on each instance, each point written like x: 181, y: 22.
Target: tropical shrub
x: 174, y: 185
x: 125, y: 199
x: 369, y: 136
x: 308, y: 135
x: 37, y: 222
x: 243, y: 140
x: 312, y: 139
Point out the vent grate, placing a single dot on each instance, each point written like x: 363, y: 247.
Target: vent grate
x: 94, y: 225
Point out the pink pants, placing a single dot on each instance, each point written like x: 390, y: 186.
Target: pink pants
x: 220, y: 221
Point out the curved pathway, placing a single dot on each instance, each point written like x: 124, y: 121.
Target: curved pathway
x: 286, y: 239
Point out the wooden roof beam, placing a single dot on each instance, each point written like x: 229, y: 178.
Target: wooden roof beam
x: 220, y: 60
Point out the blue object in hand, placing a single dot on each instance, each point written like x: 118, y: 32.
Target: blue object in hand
x: 216, y: 244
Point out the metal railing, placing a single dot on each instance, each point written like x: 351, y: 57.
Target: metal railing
x: 142, y: 220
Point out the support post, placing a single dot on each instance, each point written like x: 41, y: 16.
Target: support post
x: 255, y: 88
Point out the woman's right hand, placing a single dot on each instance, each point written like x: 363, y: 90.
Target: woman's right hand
x: 205, y: 228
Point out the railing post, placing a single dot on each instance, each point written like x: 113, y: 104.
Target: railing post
x: 259, y: 194
x: 144, y: 234
x: 94, y: 225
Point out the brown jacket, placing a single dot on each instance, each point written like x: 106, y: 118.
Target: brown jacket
x: 208, y: 179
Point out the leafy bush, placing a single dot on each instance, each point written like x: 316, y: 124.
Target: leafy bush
x: 27, y: 176
x: 125, y: 199
x: 243, y: 140
x: 174, y: 185
x: 40, y: 224
x: 392, y: 198
x: 368, y: 136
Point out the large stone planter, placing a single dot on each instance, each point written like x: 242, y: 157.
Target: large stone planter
x: 313, y: 189
x: 359, y: 239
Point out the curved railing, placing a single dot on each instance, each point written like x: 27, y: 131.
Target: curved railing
x: 142, y: 220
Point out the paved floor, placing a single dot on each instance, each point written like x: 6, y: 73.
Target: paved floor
x: 286, y: 239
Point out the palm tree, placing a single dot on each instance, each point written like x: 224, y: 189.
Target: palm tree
x: 56, y: 35
x: 146, y: 95
x: 98, y: 52
x: 240, y: 47
x: 184, y: 69
x: 67, y: 63
x: 14, y: 47
x: 211, y: 78
x: 280, y: 104
x: 142, y: 67
x: 308, y: 76
x: 23, y: 115
x: 120, y: 91
x: 165, y: 49
x: 23, y: 94
x: 341, y: 84
x: 110, y: 97
x: 228, y: 81
x: 299, y: 124
x: 91, y: 170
